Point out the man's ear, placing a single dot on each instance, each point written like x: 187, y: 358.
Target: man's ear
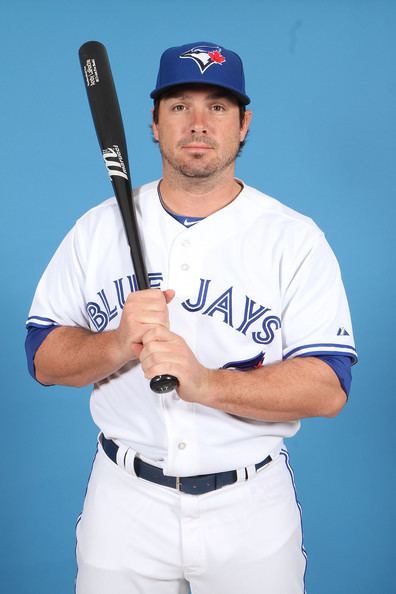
x: 154, y: 127
x: 245, y: 124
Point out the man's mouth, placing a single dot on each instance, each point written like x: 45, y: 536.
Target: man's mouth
x: 197, y: 146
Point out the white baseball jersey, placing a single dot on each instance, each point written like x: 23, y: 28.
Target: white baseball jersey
x: 256, y: 283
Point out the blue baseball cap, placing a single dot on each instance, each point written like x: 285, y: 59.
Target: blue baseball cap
x: 201, y: 63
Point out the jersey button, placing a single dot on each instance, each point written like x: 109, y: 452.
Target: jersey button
x: 185, y: 267
x: 182, y: 445
x: 186, y: 243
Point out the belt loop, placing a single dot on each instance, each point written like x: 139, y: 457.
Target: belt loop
x: 129, y: 460
x: 241, y: 474
x: 125, y: 458
x: 250, y: 471
x: 120, y: 457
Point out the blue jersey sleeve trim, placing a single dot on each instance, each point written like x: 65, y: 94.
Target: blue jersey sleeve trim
x: 341, y: 364
x: 34, y: 338
x: 325, y: 348
x: 40, y: 322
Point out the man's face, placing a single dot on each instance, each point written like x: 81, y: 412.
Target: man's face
x: 199, y: 131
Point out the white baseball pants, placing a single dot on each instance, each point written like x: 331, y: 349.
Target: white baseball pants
x: 135, y: 537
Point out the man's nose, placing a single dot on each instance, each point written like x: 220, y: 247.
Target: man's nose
x: 198, y: 122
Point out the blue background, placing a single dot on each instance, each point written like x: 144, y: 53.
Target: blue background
x: 322, y: 78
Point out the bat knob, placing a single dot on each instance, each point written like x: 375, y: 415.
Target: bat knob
x: 161, y: 384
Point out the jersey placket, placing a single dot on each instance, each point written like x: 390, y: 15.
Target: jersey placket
x: 179, y: 416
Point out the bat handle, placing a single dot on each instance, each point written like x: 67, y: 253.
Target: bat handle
x: 161, y: 384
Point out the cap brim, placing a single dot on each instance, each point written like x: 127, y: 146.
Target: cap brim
x: 156, y: 93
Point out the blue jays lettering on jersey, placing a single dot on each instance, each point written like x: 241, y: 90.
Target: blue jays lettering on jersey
x: 107, y: 308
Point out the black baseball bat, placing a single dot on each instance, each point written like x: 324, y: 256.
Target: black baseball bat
x: 106, y: 115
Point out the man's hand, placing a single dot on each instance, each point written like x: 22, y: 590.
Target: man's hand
x: 143, y: 310
x: 164, y: 352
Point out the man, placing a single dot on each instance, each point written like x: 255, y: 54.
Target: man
x: 194, y: 487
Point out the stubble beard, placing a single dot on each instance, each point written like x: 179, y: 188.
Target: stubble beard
x: 195, y: 166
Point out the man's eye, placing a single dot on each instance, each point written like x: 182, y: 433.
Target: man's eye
x: 218, y: 107
x: 178, y: 107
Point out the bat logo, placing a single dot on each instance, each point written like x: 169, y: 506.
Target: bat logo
x: 91, y: 73
x: 205, y: 56
x: 114, y: 162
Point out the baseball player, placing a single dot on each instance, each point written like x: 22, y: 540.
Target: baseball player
x: 194, y: 489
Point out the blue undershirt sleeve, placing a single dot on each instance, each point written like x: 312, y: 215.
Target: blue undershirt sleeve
x: 34, y: 338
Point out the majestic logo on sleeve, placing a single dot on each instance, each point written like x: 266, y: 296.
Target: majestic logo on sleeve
x: 205, y: 56
x: 342, y: 332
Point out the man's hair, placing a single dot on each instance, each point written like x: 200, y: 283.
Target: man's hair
x: 228, y: 94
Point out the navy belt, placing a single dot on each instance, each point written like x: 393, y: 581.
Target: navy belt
x: 194, y: 485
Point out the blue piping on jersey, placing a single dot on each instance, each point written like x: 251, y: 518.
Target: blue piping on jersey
x: 285, y: 453
x: 48, y: 320
x: 80, y: 514
x: 343, y: 349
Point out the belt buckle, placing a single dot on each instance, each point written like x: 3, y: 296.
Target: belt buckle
x: 178, y: 484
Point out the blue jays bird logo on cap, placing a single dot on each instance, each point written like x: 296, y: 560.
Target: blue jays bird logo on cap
x: 205, y: 56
